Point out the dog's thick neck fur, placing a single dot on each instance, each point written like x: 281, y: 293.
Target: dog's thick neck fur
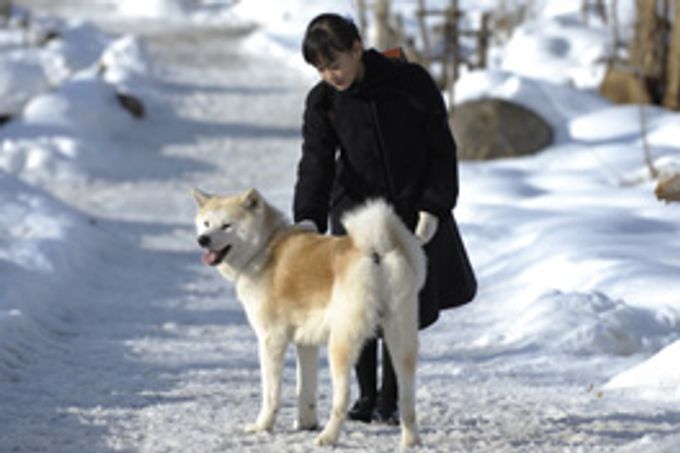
x: 275, y: 222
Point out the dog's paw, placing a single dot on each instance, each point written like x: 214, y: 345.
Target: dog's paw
x: 252, y: 428
x: 326, y: 438
x: 409, y: 439
x: 256, y: 427
x: 306, y: 421
x: 306, y: 425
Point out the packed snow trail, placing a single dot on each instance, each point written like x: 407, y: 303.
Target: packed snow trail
x: 157, y: 356
x: 159, y: 331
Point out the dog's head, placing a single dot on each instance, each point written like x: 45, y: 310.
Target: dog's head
x: 231, y: 229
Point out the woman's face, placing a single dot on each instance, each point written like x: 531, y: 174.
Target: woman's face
x: 346, y: 68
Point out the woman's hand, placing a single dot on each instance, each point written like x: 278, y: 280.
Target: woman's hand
x: 307, y: 225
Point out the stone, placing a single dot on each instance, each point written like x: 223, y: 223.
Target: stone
x: 495, y: 128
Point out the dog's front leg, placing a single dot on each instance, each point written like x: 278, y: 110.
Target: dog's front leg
x: 307, y: 374
x: 271, y: 350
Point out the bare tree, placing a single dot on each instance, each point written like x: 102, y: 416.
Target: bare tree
x: 672, y: 95
x: 383, y: 33
x: 616, y: 38
x: 646, y: 149
x: 421, y: 13
x: 5, y: 9
x: 593, y: 6
x: 648, y: 48
x: 361, y: 14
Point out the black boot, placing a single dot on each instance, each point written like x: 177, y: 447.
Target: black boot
x: 362, y: 409
x: 386, y: 408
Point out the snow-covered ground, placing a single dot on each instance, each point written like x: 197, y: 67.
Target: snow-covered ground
x: 114, y: 337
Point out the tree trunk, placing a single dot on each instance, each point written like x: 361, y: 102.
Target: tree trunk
x: 424, y: 35
x: 455, y: 49
x: 382, y: 24
x: 672, y: 96
x: 647, y: 51
x: 5, y: 9
x: 361, y: 13
x: 596, y: 7
x: 616, y: 45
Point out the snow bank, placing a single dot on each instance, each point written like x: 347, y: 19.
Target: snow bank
x: 69, y: 132
x: 66, y: 133
x: 78, y: 46
x: 192, y: 13
x: 658, y: 378
x: 21, y: 79
x: 30, y: 67
x: 623, y: 121
x: 556, y: 103
x: 85, y: 104
x: 584, y: 324
x: 562, y: 50
x: 45, y: 248
x: 41, y: 159
x: 127, y: 65
x: 155, y: 8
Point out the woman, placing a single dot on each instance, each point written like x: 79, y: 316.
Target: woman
x: 377, y: 127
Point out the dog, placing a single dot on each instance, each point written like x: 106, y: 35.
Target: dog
x: 297, y: 286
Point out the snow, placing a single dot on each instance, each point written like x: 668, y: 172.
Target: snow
x: 656, y: 378
x: 114, y: 336
x: 562, y: 49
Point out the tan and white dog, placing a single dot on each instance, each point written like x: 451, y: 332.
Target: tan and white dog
x: 309, y: 289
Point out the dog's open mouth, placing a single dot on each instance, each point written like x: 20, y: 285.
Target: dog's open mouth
x: 213, y: 258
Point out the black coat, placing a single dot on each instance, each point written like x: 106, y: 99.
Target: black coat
x: 394, y: 142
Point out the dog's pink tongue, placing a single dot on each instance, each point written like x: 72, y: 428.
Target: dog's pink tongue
x: 210, y: 258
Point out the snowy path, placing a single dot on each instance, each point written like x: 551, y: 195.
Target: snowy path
x: 163, y: 359
x: 164, y: 335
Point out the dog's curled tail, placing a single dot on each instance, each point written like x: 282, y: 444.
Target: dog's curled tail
x: 377, y: 230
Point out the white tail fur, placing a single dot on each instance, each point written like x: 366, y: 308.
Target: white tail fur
x: 375, y: 228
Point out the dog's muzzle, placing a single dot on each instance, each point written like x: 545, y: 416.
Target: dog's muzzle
x: 211, y: 257
x: 203, y: 240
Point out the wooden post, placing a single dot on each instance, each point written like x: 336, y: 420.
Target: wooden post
x: 382, y: 25
x: 424, y: 34
x: 646, y: 149
x: 483, y: 40
x: 596, y: 6
x: 453, y: 17
x: 447, y: 39
x: 615, y: 29
x: 5, y: 9
x: 361, y: 17
x: 601, y: 10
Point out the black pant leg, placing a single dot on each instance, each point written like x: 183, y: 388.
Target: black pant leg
x: 389, y: 388
x: 366, y: 370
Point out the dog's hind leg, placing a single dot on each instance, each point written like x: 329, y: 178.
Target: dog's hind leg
x: 401, y: 335
x: 272, y: 348
x: 342, y: 353
x: 307, y: 374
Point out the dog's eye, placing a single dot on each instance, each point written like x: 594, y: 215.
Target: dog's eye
x: 206, y: 224
x: 226, y: 226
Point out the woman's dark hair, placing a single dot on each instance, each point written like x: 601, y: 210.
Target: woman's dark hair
x: 326, y: 35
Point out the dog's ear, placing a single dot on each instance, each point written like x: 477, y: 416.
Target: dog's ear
x: 200, y: 197
x: 251, y: 199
